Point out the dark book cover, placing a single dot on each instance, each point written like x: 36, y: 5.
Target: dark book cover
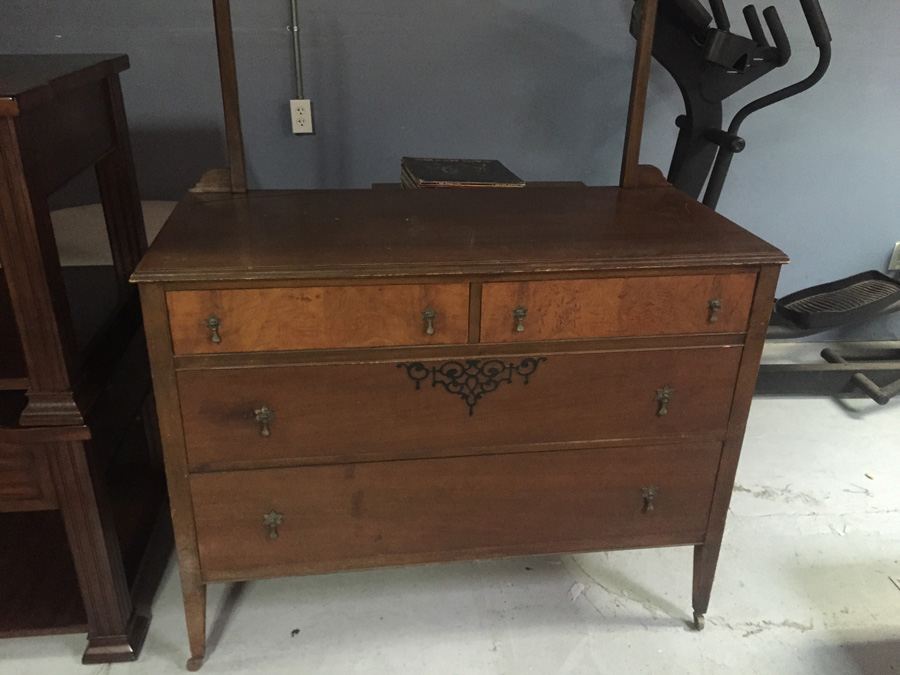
x: 455, y: 173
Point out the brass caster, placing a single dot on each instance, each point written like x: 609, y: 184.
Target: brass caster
x: 194, y: 663
x: 699, y: 621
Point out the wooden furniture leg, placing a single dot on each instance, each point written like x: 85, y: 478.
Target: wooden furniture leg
x: 159, y: 340
x: 706, y: 555
x: 194, y: 593
x: 116, y: 632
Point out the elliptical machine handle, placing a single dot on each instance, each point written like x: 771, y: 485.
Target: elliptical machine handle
x: 817, y: 23
x: 720, y: 14
x: 782, y: 43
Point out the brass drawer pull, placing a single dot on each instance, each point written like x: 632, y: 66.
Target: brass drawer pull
x: 664, y: 398
x: 264, y: 417
x: 649, y: 496
x: 428, y: 316
x: 519, y: 314
x: 715, y: 306
x: 213, y: 324
x: 271, y: 521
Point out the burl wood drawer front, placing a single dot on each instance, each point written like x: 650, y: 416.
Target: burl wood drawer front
x: 25, y: 481
x: 240, y: 417
x: 281, y: 319
x: 616, y: 307
x: 322, y: 518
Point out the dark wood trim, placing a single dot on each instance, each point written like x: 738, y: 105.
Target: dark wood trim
x: 37, y: 435
x: 486, y: 553
x: 13, y: 383
x: 230, y: 96
x: 470, y: 451
x: 480, y: 273
x: 475, y: 289
x: 449, y: 276
x: 119, y: 192
x: 383, y: 273
x: 388, y: 354
x: 637, y: 107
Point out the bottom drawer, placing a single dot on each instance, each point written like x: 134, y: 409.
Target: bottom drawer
x: 25, y: 482
x: 316, y: 519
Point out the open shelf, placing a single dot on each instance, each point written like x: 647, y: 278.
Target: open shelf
x: 40, y: 592
x: 41, y: 595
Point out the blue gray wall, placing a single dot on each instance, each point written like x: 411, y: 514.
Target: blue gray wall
x: 540, y: 84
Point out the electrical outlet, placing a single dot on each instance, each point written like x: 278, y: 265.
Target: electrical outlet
x: 894, y: 265
x: 301, y: 116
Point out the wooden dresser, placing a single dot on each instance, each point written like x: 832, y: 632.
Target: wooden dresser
x: 351, y: 379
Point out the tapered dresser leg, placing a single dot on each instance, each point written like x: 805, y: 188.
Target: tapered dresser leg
x: 194, y: 593
x: 706, y: 557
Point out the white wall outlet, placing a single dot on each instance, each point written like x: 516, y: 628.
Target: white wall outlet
x: 301, y: 116
x: 894, y: 265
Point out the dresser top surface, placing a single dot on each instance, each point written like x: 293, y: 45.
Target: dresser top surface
x: 322, y: 234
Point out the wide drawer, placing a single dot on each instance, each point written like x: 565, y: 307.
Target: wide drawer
x: 322, y: 518
x: 25, y: 481
x: 329, y: 317
x: 243, y: 417
x: 616, y: 307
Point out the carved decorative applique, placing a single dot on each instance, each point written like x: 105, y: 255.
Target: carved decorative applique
x: 472, y: 379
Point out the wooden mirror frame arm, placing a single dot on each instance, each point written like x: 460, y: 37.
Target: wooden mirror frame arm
x: 234, y: 179
x: 234, y: 137
x: 637, y: 106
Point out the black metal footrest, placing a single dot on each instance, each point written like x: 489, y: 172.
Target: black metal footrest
x: 840, y: 303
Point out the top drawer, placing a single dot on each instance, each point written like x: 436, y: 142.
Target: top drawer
x: 330, y: 317
x: 616, y: 307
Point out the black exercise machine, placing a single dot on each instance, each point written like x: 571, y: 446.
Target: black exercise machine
x: 710, y: 63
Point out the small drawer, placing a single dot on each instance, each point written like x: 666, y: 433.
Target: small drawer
x: 271, y: 416
x: 328, y: 317
x: 324, y: 518
x: 616, y: 307
x: 25, y: 481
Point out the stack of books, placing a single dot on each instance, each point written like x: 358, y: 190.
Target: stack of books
x: 419, y: 172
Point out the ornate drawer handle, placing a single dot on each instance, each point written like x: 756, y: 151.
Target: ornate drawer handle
x: 715, y: 306
x: 428, y: 316
x: 264, y: 417
x: 271, y: 521
x: 664, y: 397
x: 519, y: 314
x: 213, y: 324
x: 648, y: 494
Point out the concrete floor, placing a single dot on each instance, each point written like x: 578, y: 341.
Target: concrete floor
x: 804, y: 586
